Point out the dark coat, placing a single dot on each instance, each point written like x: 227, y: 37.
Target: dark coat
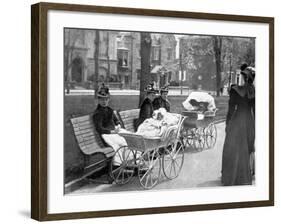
x: 146, y: 111
x: 240, y: 137
x: 159, y: 102
x: 104, y: 120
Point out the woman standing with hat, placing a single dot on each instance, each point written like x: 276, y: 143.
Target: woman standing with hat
x: 162, y: 101
x: 240, y: 131
x: 146, y: 108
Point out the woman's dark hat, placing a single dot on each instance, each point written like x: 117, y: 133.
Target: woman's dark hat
x: 149, y: 89
x: 103, y: 91
x: 243, y: 66
x: 164, y: 89
x: 249, y: 73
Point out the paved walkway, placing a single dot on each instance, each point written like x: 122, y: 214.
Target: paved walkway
x: 200, y: 169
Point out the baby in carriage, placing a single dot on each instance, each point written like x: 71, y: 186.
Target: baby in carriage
x: 199, y: 101
x: 158, y: 124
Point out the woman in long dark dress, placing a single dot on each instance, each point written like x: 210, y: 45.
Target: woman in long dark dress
x: 240, y: 132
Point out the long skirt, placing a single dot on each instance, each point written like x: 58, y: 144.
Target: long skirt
x: 238, y: 146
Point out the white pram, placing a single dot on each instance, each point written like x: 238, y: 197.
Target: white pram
x: 199, y: 130
x: 150, y: 155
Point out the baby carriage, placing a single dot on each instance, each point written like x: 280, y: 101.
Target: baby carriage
x: 147, y: 156
x: 198, y: 129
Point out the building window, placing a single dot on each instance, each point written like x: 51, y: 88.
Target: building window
x: 123, y: 56
x: 169, y: 53
x: 155, y: 52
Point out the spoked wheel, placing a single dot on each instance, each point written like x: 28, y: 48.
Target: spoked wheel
x: 122, y: 165
x: 190, y: 135
x: 210, y: 135
x: 199, y: 139
x: 149, y: 168
x: 173, y: 159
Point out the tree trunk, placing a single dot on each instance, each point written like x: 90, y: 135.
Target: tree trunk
x: 217, y: 50
x: 145, y: 77
x: 108, y: 62
x: 96, y: 57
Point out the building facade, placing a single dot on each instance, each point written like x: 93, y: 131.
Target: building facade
x: 80, y: 50
x: 119, y: 59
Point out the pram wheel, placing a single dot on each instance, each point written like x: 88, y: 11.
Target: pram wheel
x: 122, y: 165
x: 194, y: 138
x: 189, y: 136
x: 149, y: 168
x: 210, y: 135
x: 199, y: 140
x: 173, y: 159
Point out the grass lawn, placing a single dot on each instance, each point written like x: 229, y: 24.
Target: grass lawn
x: 84, y: 104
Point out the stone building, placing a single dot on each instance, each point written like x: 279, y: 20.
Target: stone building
x: 128, y: 56
x: 163, y: 58
x: 79, y: 56
x: 119, y: 58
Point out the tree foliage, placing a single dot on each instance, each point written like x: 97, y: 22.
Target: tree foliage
x: 215, y: 57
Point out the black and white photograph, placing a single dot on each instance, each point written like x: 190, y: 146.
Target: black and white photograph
x: 138, y: 111
x: 152, y: 111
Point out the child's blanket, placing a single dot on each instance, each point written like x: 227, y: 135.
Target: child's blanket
x: 199, y: 101
x: 158, y: 124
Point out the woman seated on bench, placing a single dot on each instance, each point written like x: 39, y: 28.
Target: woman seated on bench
x: 106, y: 122
x: 158, y: 124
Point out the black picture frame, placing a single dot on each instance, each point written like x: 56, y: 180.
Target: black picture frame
x: 39, y: 108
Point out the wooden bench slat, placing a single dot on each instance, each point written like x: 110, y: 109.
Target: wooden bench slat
x: 81, y: 132
x: 83, y: 128
x: 82, y: 118
x: 107, y: 151
x: 90, y: 149
x: 84, y: 125
x: 87, y: 134
x: 129, y: 120
x: 132, y: 111
x: 95, y: 142
x: 85, y: 139
x: 87, y: 122
x: 129, y: 123
x: 130, y: 127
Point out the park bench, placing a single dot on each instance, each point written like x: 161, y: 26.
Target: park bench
x: 97, y: 157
